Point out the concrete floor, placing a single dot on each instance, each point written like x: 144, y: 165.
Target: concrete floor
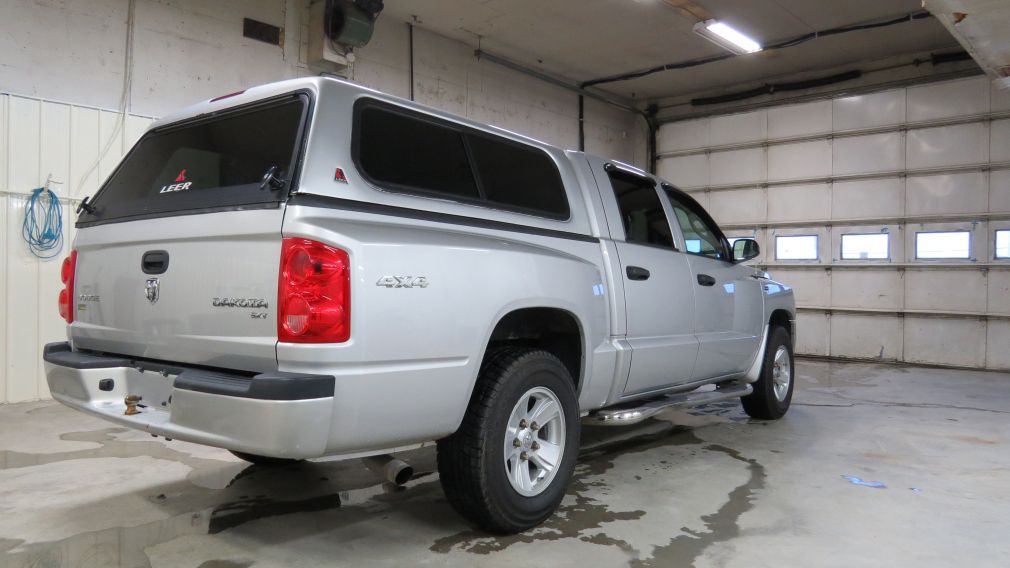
x: 701, y: 488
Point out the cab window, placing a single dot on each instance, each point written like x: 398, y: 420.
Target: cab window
x: 642, y: 212
x: 701, y: 236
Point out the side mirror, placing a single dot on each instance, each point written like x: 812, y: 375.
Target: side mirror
x: 745, y: 249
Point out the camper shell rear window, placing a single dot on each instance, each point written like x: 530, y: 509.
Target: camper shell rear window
x: 210, y: 163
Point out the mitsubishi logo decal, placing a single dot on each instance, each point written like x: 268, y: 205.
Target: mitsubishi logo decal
x: 152, y: 290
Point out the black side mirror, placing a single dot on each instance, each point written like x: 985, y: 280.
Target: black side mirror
x: 745, y: 249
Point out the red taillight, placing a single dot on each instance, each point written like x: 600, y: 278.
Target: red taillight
x: 66, y: 301
x: 314, y: 294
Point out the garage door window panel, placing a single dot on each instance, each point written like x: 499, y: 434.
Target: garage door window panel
x: 1003, y: 244
x: 797, y: 247
x: 943, y: 245
x: 866, y: 246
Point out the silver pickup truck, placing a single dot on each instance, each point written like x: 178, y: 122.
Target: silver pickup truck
x: 313, y: 268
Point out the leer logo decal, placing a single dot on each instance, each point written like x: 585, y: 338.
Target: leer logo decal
x: 180, y: 184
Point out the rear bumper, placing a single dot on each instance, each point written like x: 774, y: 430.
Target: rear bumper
x: 271, y: 414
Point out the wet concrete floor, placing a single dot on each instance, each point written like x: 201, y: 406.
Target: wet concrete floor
x: 706, y: 487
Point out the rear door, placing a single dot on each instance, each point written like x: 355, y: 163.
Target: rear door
x: 179, y: 258
x: 659, y: 297
x: 729, y: 309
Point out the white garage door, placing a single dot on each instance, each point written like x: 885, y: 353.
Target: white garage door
x: 889, y: 213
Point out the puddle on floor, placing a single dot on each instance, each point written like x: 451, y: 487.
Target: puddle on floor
x: 218, y: 496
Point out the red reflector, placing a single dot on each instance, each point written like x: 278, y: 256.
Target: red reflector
x: 236, y: 93
x: 314, y: 293
x: 66, y: 299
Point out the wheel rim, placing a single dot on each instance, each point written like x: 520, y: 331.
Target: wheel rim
x: 534, y: 441
x: 782, y: 373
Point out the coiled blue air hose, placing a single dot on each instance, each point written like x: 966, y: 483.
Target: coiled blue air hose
x: 42, y: 227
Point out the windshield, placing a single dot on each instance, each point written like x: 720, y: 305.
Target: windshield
x: 211, y: 163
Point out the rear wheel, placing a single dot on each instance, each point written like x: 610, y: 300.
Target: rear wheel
x: 263, y: 460
x: 508, y: 466
x: 773, y: 391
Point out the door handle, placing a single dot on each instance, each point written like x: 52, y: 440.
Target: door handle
x: 637, y: 273
x: 706, y: 280
x: 154, y: 262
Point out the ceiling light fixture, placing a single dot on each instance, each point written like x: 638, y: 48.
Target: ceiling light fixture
x: 726, y: 37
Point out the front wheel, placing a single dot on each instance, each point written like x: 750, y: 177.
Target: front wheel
x: 508, y: 466
x: 773, y: 390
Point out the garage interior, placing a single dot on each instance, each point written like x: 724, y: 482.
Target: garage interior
x: 866, y: 148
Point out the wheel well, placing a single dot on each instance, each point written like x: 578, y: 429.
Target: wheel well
x: 781, y: 318
x: 554, y: 330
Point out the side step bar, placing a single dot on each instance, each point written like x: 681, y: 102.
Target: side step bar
x: 634, y: 415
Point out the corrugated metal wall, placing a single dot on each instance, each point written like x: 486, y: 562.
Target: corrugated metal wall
x: 932, y: 157
x: 39, y: 138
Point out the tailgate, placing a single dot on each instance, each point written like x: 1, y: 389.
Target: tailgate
x: 213, y: 305
x: 178, y: 255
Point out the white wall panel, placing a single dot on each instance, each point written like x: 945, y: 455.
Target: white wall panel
x: 810, y: 287
x: 688, y: 135
x: 685, y: 171
x: 999, y: 294
x: 868, y: 154
x: 799, y: 202
x: 4, y: 216
x: 799, y: 120
x: 947, y: 146
x: 945, y: 341
x: 964, y: 97
x: 738, y: 128
x: 866, y: 336
x: 867, y: 198
x: 799, y: 160
x: 737, y: 206
x: 873, y: 289
x: 812, y: 332
x: 868, y: 111
x: 998, y: 334
x: 999, y: 141
x: 948, y: 193
x: 737, y: 166
x: 999, y: 191
x: 945, y: 290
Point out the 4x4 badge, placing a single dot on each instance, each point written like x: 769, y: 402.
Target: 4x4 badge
x: 152, y: 289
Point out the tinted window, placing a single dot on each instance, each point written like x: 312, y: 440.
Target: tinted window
x: 210, y: 163
x: 413, y: 154
x: 518, y: 176
x: 700, y: 234
x: 641, y: 211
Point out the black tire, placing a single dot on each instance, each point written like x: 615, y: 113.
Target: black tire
x: 471, y: 462
x: 762, y: 403
x: 263, y: 460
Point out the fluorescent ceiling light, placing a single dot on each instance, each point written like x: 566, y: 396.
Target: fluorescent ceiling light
x: 727, y: 37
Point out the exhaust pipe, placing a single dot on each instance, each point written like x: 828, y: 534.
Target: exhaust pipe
x: 389, y: 468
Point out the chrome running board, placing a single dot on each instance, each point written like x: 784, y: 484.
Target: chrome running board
x: 635, y: 414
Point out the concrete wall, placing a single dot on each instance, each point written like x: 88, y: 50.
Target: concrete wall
x: 61, y: 77
x: 933, y: 157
